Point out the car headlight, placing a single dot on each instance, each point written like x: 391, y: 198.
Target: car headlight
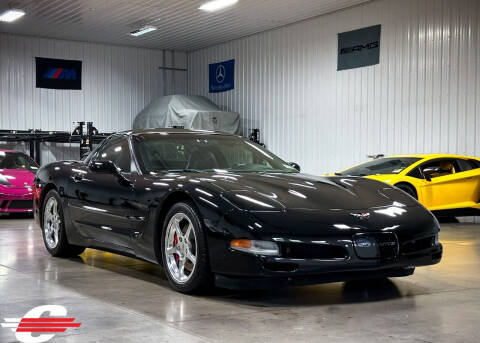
x: 265, y: 248
x: 4, y: 181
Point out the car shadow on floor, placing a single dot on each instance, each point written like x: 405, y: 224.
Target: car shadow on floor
x: 322, y: 294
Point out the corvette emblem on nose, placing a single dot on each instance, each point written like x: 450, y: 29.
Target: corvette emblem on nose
x: 361, y: 216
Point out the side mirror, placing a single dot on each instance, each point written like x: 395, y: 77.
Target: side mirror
x: 107, y: 167
x: 428, y: 172
x: 294, y: 165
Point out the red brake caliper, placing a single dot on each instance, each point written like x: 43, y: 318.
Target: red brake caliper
x: 175, y: 242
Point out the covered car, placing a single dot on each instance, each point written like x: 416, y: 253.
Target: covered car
x: 188, y: 112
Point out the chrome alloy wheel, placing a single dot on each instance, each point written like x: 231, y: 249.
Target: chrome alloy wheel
x: 180, y: 248
x: 51, y: 223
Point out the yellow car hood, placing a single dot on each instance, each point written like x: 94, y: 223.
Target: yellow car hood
x: 387, y: 178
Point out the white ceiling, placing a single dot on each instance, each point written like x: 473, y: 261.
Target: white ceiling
x: 181, y: 26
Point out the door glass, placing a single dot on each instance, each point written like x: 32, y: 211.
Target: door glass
x: 438, y: 168
x: 416, y: 173
x: 117, y: 151
x: 463, y: 165
x: 474, y: 163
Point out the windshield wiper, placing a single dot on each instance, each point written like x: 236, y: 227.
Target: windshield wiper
x: 338, y: 174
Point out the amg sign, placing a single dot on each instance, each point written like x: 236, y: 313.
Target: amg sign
x: 349, y: 50
x: 359, y: 48
x: 58, y: 74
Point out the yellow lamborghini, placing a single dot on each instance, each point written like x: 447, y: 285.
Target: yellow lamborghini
x: 446, y: 184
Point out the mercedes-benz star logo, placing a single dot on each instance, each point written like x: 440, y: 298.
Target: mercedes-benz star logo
x: 220, y: 73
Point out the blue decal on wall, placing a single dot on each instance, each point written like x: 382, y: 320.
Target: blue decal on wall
x: 221, y: 76
x: 58, y: 74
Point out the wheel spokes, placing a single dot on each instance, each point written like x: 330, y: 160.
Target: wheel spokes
x: 180, y: 247
x: 181, y: 268
x: 191, y: 257
x: 52, y: 223
x: 188, y: 232
x: 177, y: 228
x: 171, y: 250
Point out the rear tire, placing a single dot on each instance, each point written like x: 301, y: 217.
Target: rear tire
x: 53, y: 228
x: 410, y: 190
x: 184, y: 249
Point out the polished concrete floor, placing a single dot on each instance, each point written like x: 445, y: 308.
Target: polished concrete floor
x: 119, y: 299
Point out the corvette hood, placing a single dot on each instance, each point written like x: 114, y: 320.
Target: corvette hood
x: 17, y: 177
x: 273, y: 192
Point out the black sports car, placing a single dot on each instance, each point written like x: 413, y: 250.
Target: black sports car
x: 218, y: 209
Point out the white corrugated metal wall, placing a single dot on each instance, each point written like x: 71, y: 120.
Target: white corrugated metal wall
x: 423, y: 97
x: 117, y: 82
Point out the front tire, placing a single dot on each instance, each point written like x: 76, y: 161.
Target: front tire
x: 410, y: 190
x: 53, y: 228
x: 184, y: 249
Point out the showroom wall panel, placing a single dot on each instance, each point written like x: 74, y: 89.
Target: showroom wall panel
x: 117, y: 82
x: 423, y: 97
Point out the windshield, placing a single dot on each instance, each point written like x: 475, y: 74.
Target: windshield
x: 200, y: 152
x: 17, y: 160
x: 388, y: 165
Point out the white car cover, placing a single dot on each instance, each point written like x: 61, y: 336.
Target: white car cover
x: 190, y: 112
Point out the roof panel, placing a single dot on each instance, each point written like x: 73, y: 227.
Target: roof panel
x: 181, y: 25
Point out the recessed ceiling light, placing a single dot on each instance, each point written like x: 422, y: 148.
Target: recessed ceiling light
x: 11, y: 15
x: 216, y: 5
x: 143, y: 30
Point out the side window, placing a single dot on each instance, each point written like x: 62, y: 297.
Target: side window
x: 462, y: 165
x: 475, y: 163
x: 438, y: 168
x: 416, y: 173
x: 117, y: 151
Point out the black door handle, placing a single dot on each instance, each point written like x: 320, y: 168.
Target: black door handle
x: 77, y: 177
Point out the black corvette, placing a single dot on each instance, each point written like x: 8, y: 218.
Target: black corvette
x: 218, y: 209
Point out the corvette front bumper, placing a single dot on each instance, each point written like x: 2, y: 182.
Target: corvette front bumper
x: 255, y: 272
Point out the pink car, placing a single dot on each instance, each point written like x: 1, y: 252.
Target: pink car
x: 17, y: 171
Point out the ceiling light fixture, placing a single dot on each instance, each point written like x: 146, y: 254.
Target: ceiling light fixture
x: 143, y: 30
x: 11, y: 15
x: 216, y: 5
